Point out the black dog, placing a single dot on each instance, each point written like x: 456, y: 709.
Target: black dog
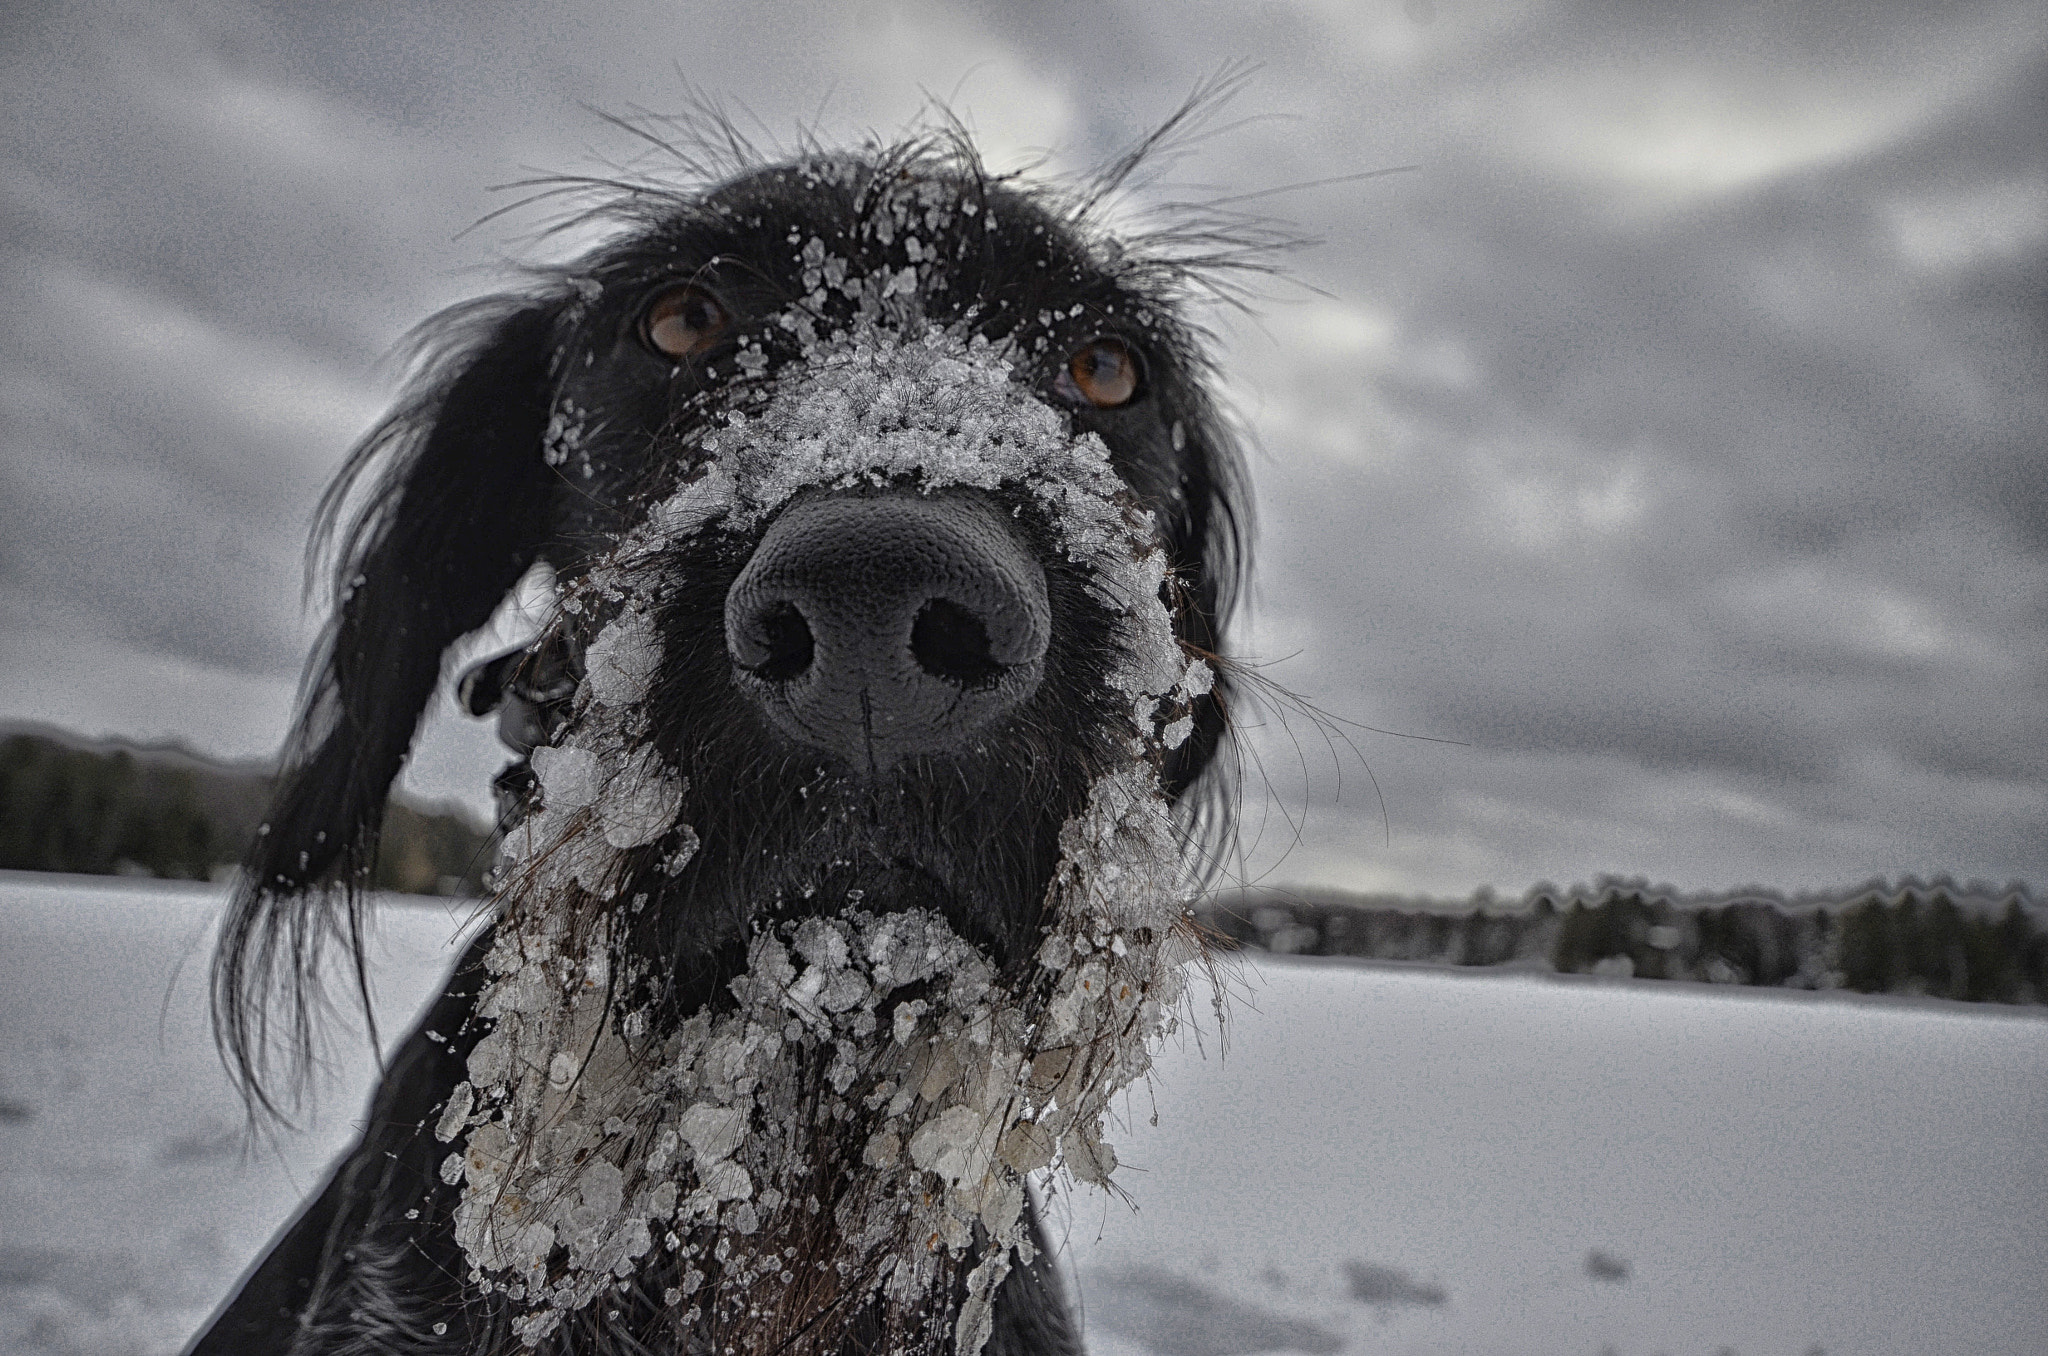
x: 894, y: 530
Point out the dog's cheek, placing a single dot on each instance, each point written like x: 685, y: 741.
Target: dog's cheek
x: 605, y: 465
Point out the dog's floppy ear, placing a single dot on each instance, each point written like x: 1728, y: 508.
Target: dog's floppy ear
x: 1213, y: 527
x: 432, y: 521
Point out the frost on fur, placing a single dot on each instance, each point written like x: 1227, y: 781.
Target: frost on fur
x: 861, y: 1121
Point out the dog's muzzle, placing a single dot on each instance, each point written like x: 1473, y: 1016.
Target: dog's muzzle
x: 874, y: 626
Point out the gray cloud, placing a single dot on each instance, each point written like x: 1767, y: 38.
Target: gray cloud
x: 1671, y: 436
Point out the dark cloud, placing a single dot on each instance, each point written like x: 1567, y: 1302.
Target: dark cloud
x: 1733, y: 489
x: 1670, y: 437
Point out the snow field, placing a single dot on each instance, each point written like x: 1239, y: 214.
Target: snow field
x: 1387, y: 1160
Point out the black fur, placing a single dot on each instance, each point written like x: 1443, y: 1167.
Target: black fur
x: 459, y: 492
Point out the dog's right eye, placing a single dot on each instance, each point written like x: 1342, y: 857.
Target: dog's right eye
x: 1103, y: 372
x: 683, y: 322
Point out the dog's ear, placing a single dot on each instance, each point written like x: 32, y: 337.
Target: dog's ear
x: 1213, y: 528
x: 432, y: 521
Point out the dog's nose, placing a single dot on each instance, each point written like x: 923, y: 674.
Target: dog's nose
x: 877, y: 626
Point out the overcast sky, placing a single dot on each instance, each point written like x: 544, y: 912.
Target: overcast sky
x: 1672, y: 437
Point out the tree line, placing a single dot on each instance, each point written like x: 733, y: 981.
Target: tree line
x: 68, y: 804
x: 1970, y: 943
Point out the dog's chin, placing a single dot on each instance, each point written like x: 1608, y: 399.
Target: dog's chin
x: 841, y: 886
x: 850, y: 848
x: 972, y: 838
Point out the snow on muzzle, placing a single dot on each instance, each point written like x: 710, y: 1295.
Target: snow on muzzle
x: 874, y: 626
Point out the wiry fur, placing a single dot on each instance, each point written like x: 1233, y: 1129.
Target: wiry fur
x: 473, y: 479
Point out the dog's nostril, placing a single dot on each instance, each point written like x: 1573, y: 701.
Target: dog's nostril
x: 950, y: 642
x: 787, y: 638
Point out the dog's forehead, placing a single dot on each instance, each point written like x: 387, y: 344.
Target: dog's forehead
x: 876, y: 209
x: 940, y: 233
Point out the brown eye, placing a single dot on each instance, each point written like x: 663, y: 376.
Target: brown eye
x: 684, y: 321
x: 1103, y: 372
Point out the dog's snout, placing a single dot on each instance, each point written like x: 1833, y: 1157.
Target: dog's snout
x: 876, y: 626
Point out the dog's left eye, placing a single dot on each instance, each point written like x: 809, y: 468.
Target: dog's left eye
x: 1104, y: 372
x: 684, y: 321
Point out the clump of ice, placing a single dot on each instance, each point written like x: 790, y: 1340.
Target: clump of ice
x: 590, y: 1139
x: 603, y: 789
x: 939, y: 409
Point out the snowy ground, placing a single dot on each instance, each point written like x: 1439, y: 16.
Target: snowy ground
x: 1388, y: 1160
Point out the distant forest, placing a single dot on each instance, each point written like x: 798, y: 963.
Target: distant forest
x: 99, y: 808
x: 1973, y: 942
